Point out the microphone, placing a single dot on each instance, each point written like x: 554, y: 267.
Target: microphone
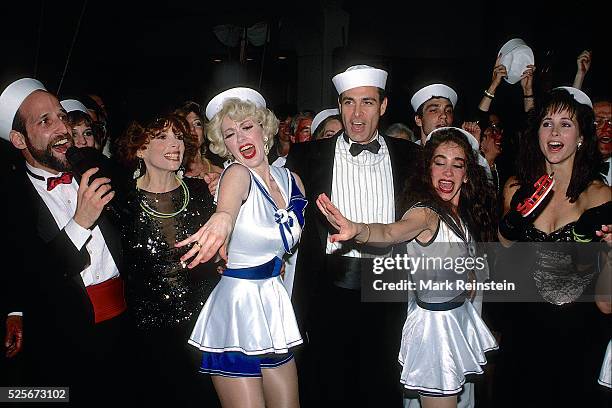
x: 85, y: 158
x: 82, y: 159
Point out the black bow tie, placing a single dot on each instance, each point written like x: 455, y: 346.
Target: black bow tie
x: 356, y: 148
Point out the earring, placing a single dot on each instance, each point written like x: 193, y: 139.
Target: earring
x: 180, y: 172
x: 266, y: 146
x: 579, y: 144
x: 139, y: 171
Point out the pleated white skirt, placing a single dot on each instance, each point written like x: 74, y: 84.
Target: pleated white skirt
x: 250, y: 316
x: 439, y: 348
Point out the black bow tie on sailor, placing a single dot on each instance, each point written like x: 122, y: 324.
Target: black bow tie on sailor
x: 356, y: 148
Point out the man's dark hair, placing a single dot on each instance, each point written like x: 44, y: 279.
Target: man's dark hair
x: 419, y: 111
x: 382, y: 94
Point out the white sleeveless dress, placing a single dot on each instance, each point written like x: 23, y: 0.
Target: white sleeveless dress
x: 249, y: 312
x: 440, y: 347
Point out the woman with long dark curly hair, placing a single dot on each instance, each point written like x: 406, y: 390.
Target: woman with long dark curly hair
x: 559, y: 150
x: 444, y: 338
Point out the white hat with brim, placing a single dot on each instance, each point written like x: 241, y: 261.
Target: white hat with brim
x: 578, y: 95
x: 430, y: 91
x: 473, y: 142
x: 515, y: 56
x: 12, y: 98
x: 360, y: 75
x: 321, y: 116
x: 244, y: 94
x: 71, y: 105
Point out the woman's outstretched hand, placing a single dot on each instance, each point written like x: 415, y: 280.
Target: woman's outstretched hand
x: 347, y: 229
x: 212, y: 237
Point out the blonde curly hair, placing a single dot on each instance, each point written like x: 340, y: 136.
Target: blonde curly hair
x: 238, y: 110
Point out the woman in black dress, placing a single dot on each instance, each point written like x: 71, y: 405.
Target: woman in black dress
x: 552, y: 349
x: 161, y: 208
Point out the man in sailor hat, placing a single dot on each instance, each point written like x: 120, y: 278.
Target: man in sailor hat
x: 72, y: 292
x: 433, y: 108
x: 363, y: 172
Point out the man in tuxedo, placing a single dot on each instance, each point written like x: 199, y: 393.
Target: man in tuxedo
x: 69, y: 286
x: 351, y: 358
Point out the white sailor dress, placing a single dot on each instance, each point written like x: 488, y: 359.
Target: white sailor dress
x: 443, y: 338
x: 248, y: 321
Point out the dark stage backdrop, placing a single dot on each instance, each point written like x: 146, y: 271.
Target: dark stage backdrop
x: 144, y: 57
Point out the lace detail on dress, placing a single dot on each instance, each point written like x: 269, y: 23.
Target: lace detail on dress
x: 555, y: 274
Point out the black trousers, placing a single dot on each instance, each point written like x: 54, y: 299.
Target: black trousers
x: 351, y: 357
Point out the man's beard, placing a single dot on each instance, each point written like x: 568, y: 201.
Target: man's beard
x: 46, y: 157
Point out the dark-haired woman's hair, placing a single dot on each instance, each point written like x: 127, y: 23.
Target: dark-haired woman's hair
x: 183, y: 111
x: 137, y: 136
x: 77, y: 117
x: 531, y: 161
x: 188, y: 107
x: 477, y: 201
x: 318, y: 132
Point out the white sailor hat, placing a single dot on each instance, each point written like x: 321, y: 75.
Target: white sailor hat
x: 246, y: 94
x: 321, y: 116
x: 360, y: 75
x: 71, y: 105
x: 515, y: 56
x: 435, y: 90
x: 473, y: 142
x: 12, y: 98
x: 578, y: 95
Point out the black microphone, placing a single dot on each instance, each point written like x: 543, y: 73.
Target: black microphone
x: 84, y: 158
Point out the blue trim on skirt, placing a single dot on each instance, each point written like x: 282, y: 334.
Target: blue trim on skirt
x: 237, y: 364
x: 268, y: 270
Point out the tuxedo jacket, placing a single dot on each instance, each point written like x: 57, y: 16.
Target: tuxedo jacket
x: 314, y: 163
x: 49, y: 286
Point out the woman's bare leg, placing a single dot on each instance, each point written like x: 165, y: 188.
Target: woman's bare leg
x: 280, y: 386
x: 439, y: 402
x: 241, y: 392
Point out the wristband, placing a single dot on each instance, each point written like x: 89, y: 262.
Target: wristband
x: 489, y: 94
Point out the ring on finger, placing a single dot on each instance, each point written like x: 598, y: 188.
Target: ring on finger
x: 198, y: 244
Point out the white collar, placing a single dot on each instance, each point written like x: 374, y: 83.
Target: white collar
x: 350, y: 141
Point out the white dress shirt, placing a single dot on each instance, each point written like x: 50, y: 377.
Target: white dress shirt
x: 62, y: 203
x: 362, y: 188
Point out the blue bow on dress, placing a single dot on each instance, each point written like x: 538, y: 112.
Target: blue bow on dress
x: 297, y: 203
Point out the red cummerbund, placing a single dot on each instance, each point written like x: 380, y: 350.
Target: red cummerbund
x: 108, y: 299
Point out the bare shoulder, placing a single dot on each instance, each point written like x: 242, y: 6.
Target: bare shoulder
x: 236, y: 175
x: 597, y: 193
x: 236, y: 170
x: 423, y: 215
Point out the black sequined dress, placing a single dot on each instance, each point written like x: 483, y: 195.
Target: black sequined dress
x: 163, y: 296
x: 162, y: 292
x: 552, y: 351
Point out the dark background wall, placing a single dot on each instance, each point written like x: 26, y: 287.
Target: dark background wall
x: 144, y: 57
